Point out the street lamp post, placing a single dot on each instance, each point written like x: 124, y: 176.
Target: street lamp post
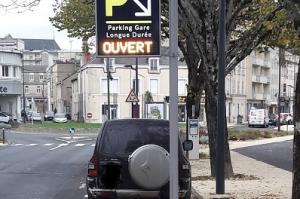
x: 136, y: 89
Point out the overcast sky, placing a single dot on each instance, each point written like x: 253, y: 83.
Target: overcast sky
x: 35, y: 25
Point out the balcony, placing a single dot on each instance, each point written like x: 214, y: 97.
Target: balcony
x: 258, y: 96
x: 261, y: 79
x: 261, y: 62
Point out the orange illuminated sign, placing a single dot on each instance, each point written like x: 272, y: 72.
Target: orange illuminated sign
x: 128, y: 28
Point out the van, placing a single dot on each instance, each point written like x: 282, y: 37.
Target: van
x: 258, y: 117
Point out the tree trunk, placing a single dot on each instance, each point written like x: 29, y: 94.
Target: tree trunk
x: 211, y: 112
x: 296, y: 152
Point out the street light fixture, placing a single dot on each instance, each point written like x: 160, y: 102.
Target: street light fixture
x: 136, y: 89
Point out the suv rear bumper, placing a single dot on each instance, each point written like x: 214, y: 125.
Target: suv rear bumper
x: 130, y: 193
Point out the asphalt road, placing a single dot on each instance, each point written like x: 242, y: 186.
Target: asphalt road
x: 44, y: 166
x: 278, y: 154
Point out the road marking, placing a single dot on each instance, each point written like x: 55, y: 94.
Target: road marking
x: 79, y: 144
x: 61, y: 145
x: 93, y: 145
x: 31, y: 145
x: 18, y: 144
x: 49, y: 144
x: 82, y: 186
x: 85, y: 195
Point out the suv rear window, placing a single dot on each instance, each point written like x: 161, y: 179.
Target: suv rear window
x: 122, y: 138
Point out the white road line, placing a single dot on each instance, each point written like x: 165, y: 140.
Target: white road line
x: 18, y: 144
x: 61, y: 145
x: 31, y: 145
x: 85, y: 195
x: 93, y: 145
x: 79, y: 144
x: 82, y: 186
x: 49, y: 144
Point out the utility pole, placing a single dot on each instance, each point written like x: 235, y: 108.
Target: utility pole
x: 220, y: 156
x: 137, y: 85
x: 24, y: 104
x: 281, y: 63
x: 43, y: 94
x: 173, y: 112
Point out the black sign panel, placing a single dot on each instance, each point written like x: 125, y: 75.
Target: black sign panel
x: 128, y: 28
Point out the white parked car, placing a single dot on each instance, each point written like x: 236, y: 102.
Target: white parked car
x: 258, y: 117
x: 36, y: 117
x: 60, y: 118
x: 5, y: 118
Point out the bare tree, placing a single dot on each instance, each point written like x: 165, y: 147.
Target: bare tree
x: 18, y: 5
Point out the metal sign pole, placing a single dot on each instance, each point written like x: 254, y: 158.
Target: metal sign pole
x: 108, y: 88
x: 220, y: 172
x: 173, y: 112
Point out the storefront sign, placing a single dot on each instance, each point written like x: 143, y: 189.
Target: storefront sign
x: 10, y: 88
x: 128, y: 28
x: 3, y: 89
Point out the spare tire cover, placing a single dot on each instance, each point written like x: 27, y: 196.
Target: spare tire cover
x: 149, y: 166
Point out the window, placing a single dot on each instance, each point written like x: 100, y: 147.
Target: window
x: 153, y: 64
x: 14, y: 71
x: 26, y: 89
x: 181, y: 87
x: 154, y: 86
x: 113, y: 86
x: 5, y: 71
x: 31, y: 77
x: 38, y: 89
x: 41, y: 77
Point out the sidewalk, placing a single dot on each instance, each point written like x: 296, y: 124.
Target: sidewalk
x: 263, y: 181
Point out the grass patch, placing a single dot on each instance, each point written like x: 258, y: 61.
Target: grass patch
x: 254, y: 134
x: 69, y: 124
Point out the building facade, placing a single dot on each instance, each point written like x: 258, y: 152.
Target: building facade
x: 91, y: 96
x: 255, y: 83
x: 60, y: 79
x: 11, y: 76
x: 39, y: 54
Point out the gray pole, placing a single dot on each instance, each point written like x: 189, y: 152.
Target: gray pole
x: 108, y: 91
x: 24, y: 110
x: 281, y: 61
x: 173, y: 112
x: 137, y: 84
x: 220, y: 172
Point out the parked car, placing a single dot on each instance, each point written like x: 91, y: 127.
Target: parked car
x: 60, y: 118
x: 258, y: 117
x: 273, y: 119
x: 286, y: 118
x: 5, y: 118
x: 131, y: 160
x: 49, y: 115
x: 36, y: 117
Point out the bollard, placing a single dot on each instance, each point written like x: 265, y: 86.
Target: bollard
x: 3, y: 136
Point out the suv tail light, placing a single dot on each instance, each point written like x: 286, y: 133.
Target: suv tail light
x: 92, y: 167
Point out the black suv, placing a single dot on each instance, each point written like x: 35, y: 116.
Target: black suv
x: 131, y: 160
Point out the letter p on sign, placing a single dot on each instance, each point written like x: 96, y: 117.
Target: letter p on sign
x: 110, y: 4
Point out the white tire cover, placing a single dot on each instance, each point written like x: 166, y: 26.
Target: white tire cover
x: 149, y: 166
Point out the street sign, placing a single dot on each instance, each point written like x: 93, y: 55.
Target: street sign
x: 132, y: 97
x: 89, y: 115
x: 128, y: 28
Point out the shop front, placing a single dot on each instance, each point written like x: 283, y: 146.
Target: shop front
x: 10, y: 98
